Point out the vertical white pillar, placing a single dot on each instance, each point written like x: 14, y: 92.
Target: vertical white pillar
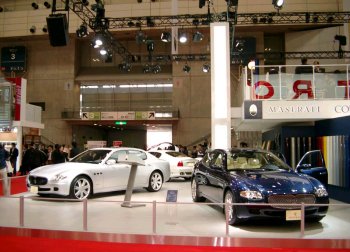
x: 220, y: 85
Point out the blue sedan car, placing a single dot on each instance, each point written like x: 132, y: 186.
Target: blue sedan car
x: 257, y: 176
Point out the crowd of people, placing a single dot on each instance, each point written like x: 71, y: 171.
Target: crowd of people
x: 35, y: 155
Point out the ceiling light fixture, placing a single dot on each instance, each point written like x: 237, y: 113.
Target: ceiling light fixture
x: 32, y: 29
x: 82, y: 31
x: 278, y: 4
x: 125, y: 67
x: 140, y: 37
x: 156, y: 69
x: 206, y: 68
x: 35, y: 5
x: 103, y: 51
x: 165, y: 37
x: 183, y: 37
x: 197, y: 36
x: 47, y: 5
x: 186, y: 68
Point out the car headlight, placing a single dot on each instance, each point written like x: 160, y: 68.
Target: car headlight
x: 59, y: 177
x: 321, y: 192
x: 255, y: 195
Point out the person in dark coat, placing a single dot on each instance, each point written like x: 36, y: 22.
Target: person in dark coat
x: 74, y: 151
x: 57, y: 155
x: 13, y: 158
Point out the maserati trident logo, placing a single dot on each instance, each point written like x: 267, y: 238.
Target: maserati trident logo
x: 253, y: 110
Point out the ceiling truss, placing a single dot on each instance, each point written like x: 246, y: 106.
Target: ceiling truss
x: 203, y: 20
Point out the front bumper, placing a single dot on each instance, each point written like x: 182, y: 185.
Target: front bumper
x: 42, y: 185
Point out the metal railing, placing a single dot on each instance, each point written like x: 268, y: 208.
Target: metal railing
x: 157, y: 218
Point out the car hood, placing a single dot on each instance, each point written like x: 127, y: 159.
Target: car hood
x: 52, y: 170
x: 278, y: 182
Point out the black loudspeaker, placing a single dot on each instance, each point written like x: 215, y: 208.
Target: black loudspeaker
x: 57, y: 27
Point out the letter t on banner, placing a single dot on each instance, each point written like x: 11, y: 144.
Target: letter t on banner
x: 220, y: 85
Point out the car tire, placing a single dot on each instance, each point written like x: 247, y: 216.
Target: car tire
x: 232, y: 210
x: 81, y: 188
x: 195, y: 192
x: 155, y: 182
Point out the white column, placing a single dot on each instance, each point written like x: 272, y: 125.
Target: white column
x: 220, y: 85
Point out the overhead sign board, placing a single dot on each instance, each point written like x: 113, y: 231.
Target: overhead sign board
x: 91, y: 116
x: 13, y: 59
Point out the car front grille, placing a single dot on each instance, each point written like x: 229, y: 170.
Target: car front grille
x: 291, y: 199
x: 33, y: 180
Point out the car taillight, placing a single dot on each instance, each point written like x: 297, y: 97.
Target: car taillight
x: 180, y: 163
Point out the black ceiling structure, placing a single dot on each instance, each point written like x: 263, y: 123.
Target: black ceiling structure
x: 308, y: 20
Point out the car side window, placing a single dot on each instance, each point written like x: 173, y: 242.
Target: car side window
x: 218, y: 160
x: 156, y: 154
x: 116, y: 154
x: 207, y: 159
x: 139, y: 154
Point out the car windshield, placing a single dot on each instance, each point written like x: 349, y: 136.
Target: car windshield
x: 91, y: 156
x: 176, y: 154
x: 254, y: 160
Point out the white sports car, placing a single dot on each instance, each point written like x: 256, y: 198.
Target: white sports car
x: 98, y: 170
x: 181, y: 166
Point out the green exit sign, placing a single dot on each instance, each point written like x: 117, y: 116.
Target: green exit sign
x: 120, y: 123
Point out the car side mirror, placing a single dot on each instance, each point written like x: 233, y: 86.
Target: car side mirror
x: 111, y: 162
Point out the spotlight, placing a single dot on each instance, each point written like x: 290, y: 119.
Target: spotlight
x: 206, y: 68
x: 183, y: 37
x: 166, y: 37
x: 32, y: 29
x: 140, y: 37
x: 150, y: 22
x: 125, y: 67
x: 197, y: 36
x: 330, y: 19
x: 45, y: 28
x: 195, y: 22
x: 131, y: 24
x: 186, y: 68
x: 85, y: 2
x: 82, y: 31
x: 97, y: 42
x: 251, y: 65
x: 278, y: 4
x: 47, y: 5
x: 103, y: 51
x: 99, y: 8
x: 35, y: 5
x: 156, y: 69
x: 263, y: 20
x: 150, y: 46
x: 146, y: 69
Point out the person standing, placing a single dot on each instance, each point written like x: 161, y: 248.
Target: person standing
x: 74, y: 151
x: 3, y: 170
x: 57, y: 155
x: 13, y: 158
